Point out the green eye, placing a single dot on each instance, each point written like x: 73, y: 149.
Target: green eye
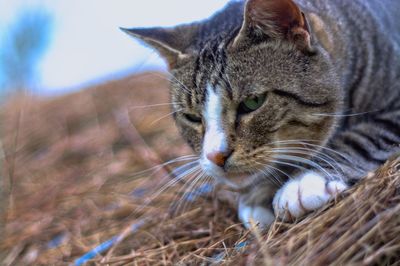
x: 251, y: 104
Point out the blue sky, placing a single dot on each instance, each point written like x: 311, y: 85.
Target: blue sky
x: 87, y: 44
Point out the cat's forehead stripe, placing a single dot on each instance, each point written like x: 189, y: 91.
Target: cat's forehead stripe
x: 210, y: 68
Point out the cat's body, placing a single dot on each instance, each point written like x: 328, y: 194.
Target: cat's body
x: 276, y: 93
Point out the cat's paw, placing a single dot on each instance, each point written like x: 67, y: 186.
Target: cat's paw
x: 257, y: 215
x: 304, y: 194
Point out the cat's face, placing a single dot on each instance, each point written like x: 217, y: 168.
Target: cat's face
x: 240, y: 101
x: 240, y: 113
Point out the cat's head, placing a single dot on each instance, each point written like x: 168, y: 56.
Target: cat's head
x: 245, y: 96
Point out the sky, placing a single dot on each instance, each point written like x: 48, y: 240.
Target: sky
x: 87, y: 45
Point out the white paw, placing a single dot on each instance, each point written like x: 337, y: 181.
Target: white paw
x: 256, y: 215
x: 304, y: 194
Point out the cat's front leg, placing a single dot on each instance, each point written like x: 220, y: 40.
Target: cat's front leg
x: 307, y: 192
x: 255, y: 214
x: 256, y: 207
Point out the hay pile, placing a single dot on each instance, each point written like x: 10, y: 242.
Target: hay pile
x: 69, y: 186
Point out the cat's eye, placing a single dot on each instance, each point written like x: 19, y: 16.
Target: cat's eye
x: 193, y: 118
x: 251, y: 104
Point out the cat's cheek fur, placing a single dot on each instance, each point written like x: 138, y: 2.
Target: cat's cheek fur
x: 255, y: 215
x: 304, y: 194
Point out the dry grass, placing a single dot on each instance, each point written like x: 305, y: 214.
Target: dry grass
x: 69, y: 184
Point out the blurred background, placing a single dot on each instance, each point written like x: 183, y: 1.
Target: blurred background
x: 53, y: 47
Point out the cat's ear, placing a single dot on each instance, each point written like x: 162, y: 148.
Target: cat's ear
x: 274, y: 19
x: 171, y: 43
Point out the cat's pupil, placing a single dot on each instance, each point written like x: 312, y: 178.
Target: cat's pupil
x: 193, y: 118
x: 251, y: 104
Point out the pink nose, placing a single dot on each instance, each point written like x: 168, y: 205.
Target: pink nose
x: 219, y: 158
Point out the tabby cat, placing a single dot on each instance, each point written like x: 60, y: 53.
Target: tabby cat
x: 288, y: 102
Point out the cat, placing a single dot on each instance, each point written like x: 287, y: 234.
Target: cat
x: 288, y: 102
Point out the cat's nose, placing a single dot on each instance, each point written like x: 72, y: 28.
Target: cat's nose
x: 219, y: 157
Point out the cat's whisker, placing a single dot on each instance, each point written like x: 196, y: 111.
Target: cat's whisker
x: 316, y: 154
x: 195, y: 191
x: 344, y: 115
x: 193, y: 175
x: 172, y: 79
x: 154, y: 105
x: 266, y: 171
x: 172, y: 182
x: 266, y: 174
x: 280, y: 171
x: 186, y: 188
x: 340, y: 156
x: 184, y: 87
x: 319, y: 152
x: 177, y: 179
x: 306, y: 142
x: 165, y: 116
x: 288, y: 164
x: 271, y: 167
x: 181, y: 172
x: 157, y: 168
x: 303, y: 161
x: 190, y: 189
x: 276, y: 176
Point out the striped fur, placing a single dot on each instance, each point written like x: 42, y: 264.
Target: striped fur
x: 336, y: 104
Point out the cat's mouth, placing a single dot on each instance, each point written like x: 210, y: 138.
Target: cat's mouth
x: 238, y: 180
